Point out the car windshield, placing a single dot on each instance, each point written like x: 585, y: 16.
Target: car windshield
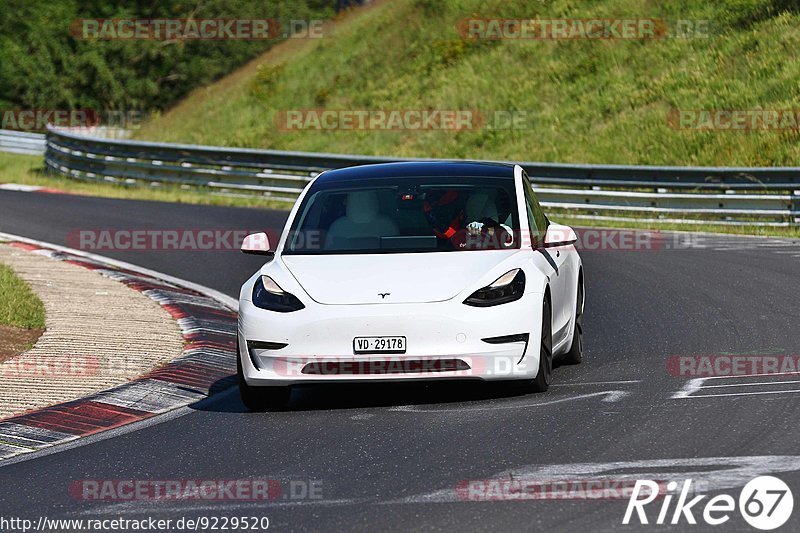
x: 406, y: 215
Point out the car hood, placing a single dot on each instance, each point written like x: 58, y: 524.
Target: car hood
x: 402, y: 278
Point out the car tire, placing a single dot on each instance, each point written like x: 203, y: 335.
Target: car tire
x: 545, y: 373
x: 260, y: 399
x: 575, y: 354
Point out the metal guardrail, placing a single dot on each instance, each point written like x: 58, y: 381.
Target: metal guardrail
x: 22, y: 142
x: 728, y: 195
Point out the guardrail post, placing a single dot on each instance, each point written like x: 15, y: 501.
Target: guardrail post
x: 796, y: 207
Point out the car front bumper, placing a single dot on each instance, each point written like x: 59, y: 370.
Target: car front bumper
x: 445, y: 340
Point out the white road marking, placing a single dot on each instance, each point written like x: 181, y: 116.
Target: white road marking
x: 697, y: 384
x: 793, y: 391
x: 610, y: 396
x: 750, y: 384
x: 579, y: 383
x: 730, y: 473
x: 691, y: 386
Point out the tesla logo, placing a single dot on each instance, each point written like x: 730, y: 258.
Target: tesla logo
x: 383, y: 295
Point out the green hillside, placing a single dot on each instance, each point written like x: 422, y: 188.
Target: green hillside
x: 46, y: 64
x: 583, y: 100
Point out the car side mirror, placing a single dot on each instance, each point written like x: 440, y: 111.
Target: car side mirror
x: 558, y: 235
x: 257, y: 244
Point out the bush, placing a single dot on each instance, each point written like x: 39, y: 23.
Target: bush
x: 42, y: 66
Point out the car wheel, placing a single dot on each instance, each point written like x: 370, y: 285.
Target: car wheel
x: 260, y: 399
x: 575, y: 354
x: 542, y: 380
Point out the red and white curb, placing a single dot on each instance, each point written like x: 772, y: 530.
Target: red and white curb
x: 207, y: 365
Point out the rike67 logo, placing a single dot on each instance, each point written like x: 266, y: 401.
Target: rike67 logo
x: 765, y: 503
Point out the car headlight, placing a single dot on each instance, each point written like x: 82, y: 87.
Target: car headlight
x: 507, y: 288
x: 268, y: 295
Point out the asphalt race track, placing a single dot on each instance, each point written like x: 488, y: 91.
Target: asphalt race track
x: 390, y: 458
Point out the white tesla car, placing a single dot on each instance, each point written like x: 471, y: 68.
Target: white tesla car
x: 421, y: 271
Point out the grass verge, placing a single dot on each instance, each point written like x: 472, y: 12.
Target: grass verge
x: 19, y: 306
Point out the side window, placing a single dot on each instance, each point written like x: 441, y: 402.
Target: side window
x: 536, y: 216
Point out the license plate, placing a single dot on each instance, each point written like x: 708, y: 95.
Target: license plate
x: 379, y: 345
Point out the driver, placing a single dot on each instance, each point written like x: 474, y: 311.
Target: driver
x: 447, y: 213
x: 444, y: 212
